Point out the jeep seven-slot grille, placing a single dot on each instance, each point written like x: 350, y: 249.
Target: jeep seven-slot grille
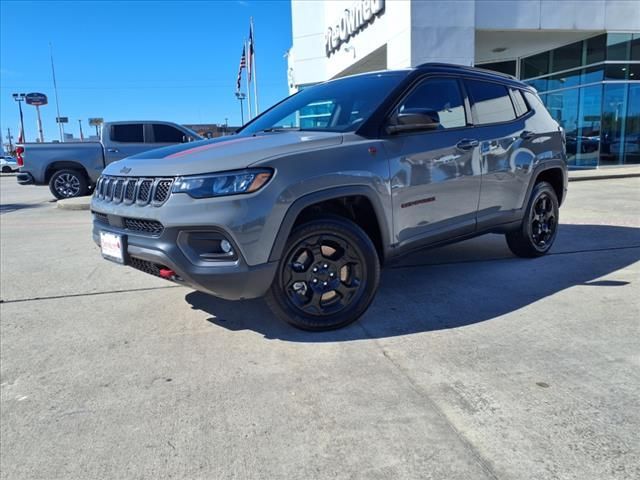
x: 142, y: 191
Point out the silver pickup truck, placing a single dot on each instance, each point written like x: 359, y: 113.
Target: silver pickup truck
x: 71, y: 169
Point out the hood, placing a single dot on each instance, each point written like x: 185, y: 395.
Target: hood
x: 227, y: 153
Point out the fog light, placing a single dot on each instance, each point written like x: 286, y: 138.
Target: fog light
x: 225, y: 246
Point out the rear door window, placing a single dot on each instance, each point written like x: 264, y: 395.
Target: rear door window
x: 491, y: 102
x: 167, y: 134
x: 127, y: 133
x: 443, y: 96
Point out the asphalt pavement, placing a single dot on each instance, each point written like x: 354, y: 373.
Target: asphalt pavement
x: 470, y: 364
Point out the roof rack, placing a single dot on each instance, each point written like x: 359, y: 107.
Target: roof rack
x: 466, y: 68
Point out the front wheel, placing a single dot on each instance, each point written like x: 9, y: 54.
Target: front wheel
x: 539, y: 227
x: 327, y: 277
x: 68, y: 184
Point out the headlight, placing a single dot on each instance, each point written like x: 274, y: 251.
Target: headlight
x: 217, y: 185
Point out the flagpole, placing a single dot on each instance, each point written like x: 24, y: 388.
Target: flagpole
x: 248, y: 92
x: 253, y: 67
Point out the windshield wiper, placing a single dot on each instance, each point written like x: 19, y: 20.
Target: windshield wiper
x: 280, y: 129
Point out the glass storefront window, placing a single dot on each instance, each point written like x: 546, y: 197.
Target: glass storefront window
x: 595, y: 49
x: 592, y: 74
x: 567, y: 57
x: 614, y: 106
x: 563, y: 106
x: 632, y: 130
x: 564, y: 80
x: 618, y: 46
x: 508, y: 67
x: 635, y: 46
x: 588, y: 138
x: 535, y: 65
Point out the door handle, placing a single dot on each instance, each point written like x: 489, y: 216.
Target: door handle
x: 113, y: 150
x: 526, y: 135
x: 467, y: 144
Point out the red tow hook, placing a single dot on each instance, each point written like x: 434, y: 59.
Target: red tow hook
x: 167, y: 273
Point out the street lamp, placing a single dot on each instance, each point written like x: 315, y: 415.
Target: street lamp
x: 19, y: 97
x: 241, y: 96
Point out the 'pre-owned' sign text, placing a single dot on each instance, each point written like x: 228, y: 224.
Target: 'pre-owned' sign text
x: 351, y: 22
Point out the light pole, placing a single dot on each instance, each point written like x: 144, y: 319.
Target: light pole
x: 241, y: 96
x: 10, y: 138
x: 81, y: 135
x: 19, y: 97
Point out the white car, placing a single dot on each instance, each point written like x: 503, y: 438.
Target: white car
x: 8, y: 164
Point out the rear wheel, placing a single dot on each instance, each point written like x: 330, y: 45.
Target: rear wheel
x: 68, y: 184
x: 539, y: 227
x: 327, y: 277
x: 7, y: 169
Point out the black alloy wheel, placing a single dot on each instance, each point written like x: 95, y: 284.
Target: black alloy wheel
x: 68, y: 184
x: 327, y: 276
x: 539, y: 226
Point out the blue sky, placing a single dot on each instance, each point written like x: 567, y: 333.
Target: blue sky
x: 163, y: 60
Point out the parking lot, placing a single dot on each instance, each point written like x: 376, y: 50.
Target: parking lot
x: 470, y: 364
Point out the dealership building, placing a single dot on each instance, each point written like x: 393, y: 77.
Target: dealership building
x: 582, y: 56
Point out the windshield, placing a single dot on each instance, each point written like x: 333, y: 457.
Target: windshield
x: 336, y: 106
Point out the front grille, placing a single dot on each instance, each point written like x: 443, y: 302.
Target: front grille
x: 142, y: 191
x: 130, y: 191
x: 137, y: 225
x: 101, y: 217
x: 117, y: 190
x: 151, y: 227
x: 163, y: 189
x: 145, y: 266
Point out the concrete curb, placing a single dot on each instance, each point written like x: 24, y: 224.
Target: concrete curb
x: 605, y: 176
x: 79, y: 203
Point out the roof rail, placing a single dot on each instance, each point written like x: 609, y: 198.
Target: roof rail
x: 466, y: 68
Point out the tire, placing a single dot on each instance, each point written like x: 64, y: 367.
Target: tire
x: 68, y: 184
x: 539, y: 227
x: 6, y: 169
x: 327, y: 276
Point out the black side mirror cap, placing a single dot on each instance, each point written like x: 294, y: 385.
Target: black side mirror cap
x: 414, y: 119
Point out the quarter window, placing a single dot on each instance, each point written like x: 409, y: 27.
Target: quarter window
x: 491, y: 102
x: 442, y: 95
x: 519, y: 103
x: 127, y: 133
x: 166, y: 134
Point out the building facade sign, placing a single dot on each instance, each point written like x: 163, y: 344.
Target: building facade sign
x: 351, y: 22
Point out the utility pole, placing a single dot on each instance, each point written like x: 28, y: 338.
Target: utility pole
x: 19, y: 97
x: 241, y: 96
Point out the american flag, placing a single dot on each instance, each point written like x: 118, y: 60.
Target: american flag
x: 251, y: 50
x: 243, y: 64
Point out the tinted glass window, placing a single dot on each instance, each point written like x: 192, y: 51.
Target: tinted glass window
x: 618, y: 46
x: 441, y: 95
x: 166, y: 134
x: 491, y: 102
x: 519, y: 103
x: 127, y: 133
x: 508, y: 67
x: 596, y: 47
x: 569, y: 56
x: 535, y: 65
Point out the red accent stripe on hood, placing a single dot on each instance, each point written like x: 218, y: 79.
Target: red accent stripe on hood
x: 210, y: 146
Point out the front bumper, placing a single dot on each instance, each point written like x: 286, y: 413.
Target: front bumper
x: 230, y: 279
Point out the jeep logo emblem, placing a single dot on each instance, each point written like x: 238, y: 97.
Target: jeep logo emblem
x: 125, y: 170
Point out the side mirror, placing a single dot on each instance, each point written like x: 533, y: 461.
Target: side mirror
x: 413, y: 120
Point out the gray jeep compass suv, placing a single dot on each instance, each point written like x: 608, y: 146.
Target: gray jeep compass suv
x: 309, y: 199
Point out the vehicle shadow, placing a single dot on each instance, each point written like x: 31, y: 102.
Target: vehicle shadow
x: 456, y: 285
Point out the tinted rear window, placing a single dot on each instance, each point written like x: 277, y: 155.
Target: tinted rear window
x: 166, y: 134
x: 490, y: 102
x: 127, y: 133
x: 519, y: 103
